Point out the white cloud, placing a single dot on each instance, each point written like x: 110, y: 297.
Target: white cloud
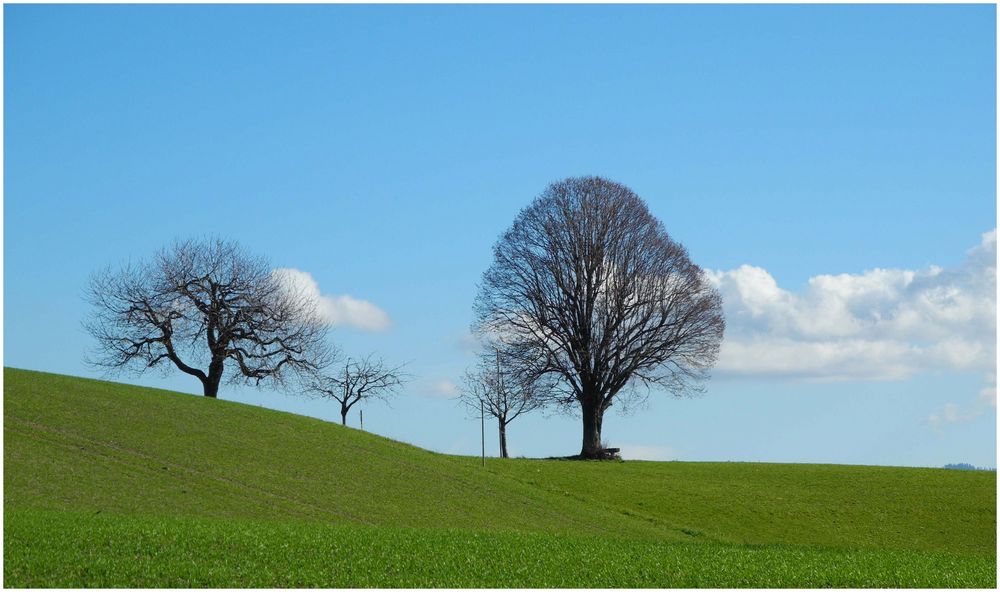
x: 952, y: 413
x: 335, y: 310
x: 642, y: 452
x: 988, y: 396
x: 468, y: 343
x: 883, y: 324
x: 439, y: 389
x: 986, y: 402
x: 445, y: 388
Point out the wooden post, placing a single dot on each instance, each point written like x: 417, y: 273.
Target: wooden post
x: 362, y: 413
x: 501, y: 395
x: 482, y: 428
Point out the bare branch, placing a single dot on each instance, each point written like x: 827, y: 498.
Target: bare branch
x: 499, y: 389
x: 357, y: 380
x: 587, y: 288
x: 198, y: 305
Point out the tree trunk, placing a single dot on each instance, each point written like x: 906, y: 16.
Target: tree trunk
x: 593, y: 416
x: 503, y: 438
x: 211, y: 389
x: 343, y: 415
x: 211, y: 382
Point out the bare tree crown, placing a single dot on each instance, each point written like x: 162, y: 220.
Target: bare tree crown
x: 199, y: 305
x: 358, y: 380
x: 502, y: 390
x: 588, y: 286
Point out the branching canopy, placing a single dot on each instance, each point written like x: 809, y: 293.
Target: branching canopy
x: 587, y: 286
x: 199, y: 305
x: 503, y: 392
x: 359, y: 379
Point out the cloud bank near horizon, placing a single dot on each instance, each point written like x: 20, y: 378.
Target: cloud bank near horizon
x: 883, y: 324
x: 343, y: 310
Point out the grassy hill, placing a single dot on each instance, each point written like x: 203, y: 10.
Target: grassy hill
x: 114, y: 485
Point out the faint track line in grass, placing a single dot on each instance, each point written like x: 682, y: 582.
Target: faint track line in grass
x: 34, y: 426
x: 630, y: 514
x: 60, y: 549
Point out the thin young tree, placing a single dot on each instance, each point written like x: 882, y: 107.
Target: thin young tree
x: 358, y: 380
x: 209, y: 309
x: 493, y: 387
x: 588, y: 288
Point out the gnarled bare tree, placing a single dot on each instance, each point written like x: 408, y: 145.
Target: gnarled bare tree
x: 208, y: 308
x: 589, y: 288
x: 499, y: 390
x: 358, y: 380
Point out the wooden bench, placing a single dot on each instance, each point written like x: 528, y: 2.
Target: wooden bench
x: 611, y: 453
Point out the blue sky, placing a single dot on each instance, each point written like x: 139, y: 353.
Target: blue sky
x: 833, y: 167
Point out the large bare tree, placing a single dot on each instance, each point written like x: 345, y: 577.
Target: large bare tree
x: 210, y: 309
x: 587, y: 287
x: 358, y: 380
x: 497, y: 389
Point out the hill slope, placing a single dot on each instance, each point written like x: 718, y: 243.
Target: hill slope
x: 88, y: 445
x: 80, y: 447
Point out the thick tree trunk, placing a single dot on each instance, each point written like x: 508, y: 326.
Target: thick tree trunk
x: 593, y: 416
x: 211, y: 382
x: 503, y: 438
x: 343, y: 415
x: 211, y: 389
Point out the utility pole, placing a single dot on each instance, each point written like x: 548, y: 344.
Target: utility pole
x: 501, y: 401
x: 482, y: 429
x: 499, y: 385
x: 362, y: 412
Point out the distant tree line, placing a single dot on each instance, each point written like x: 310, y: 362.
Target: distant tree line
x: 968, y: 467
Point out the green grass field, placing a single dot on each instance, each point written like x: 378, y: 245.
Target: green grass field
x: 113, y: 485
